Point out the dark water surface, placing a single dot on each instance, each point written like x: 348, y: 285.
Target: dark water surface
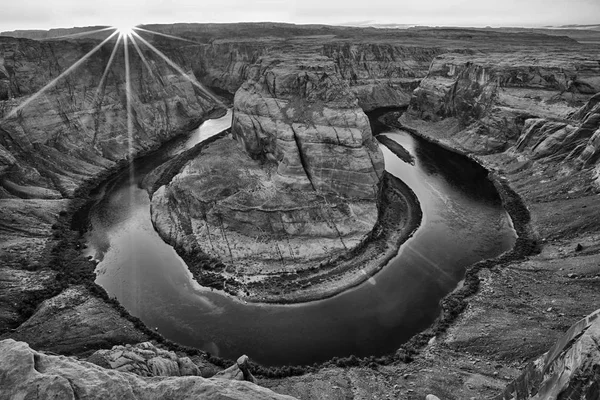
x: 463, y: 222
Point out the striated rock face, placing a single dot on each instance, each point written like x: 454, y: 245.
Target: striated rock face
x: 77, y: 128
x: 297, y: 113
x: 492, y: 94
x: 72, y: 133
x: 569, y: 370
x: 381, y: 75
x: 224, y: 66
x: 26, y: 373
x: 238, y: 211
x: 575, y: 140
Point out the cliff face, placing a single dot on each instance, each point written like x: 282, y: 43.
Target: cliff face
x: 575, y: 140
x: 300, y: 115
x: 381, y: 75
x: 298, y: 187
x: 491, y: 96
x: 224, y: 66
x: 77, y: 128
x: 73, y: 132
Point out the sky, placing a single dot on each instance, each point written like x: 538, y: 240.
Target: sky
x: 44, y: 14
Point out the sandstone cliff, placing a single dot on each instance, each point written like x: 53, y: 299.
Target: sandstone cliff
x: 381, y: 75
x: 491, y: 95
x: 71, y: 134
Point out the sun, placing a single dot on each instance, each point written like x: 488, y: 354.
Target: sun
x: 125, y: 29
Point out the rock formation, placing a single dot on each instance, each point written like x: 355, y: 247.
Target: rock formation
x: 86, y: 322
x: 145, y: 359
x: 493, y: 94
x: 26, y: 373
x: 569, y: 370
x: 299, y: 185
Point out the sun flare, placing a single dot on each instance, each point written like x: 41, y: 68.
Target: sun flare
x: 125, y: 29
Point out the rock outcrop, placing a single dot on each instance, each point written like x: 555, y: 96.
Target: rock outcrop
x: 26, y: 373
x: 298, y: 187
x: 569, y: 370
x: 297, y: 113
x: 491, y: 95
x: 573, y: 142
x: 145, y: 359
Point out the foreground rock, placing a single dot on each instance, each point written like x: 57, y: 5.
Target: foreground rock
x: 145, y: 359
x: 569, y: 370
x: 26, y: 373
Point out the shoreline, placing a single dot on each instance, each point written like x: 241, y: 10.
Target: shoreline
x: 525, y: 245
x: 359, y: 264
x: 452, y: 304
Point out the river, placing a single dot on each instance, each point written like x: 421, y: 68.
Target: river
x: 463, y: 222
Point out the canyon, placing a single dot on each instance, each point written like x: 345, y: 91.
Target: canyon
x: 522, y: 104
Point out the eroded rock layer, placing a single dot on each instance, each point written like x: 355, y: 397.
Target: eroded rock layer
x: 234, y: 209
x: 297, y: 113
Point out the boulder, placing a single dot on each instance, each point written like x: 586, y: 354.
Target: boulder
x: 145, y: 359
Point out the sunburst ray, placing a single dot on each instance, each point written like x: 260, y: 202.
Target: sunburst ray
x: 179, y: 69
x: 53, y: 82
x: 137, y: 28
x: 143, y: 58
x: 105, y: 73
x: 73, y: 35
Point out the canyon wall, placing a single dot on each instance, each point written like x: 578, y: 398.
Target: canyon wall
x: 381, y: 74
x: 492, y: 97
x: 67, y: 135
